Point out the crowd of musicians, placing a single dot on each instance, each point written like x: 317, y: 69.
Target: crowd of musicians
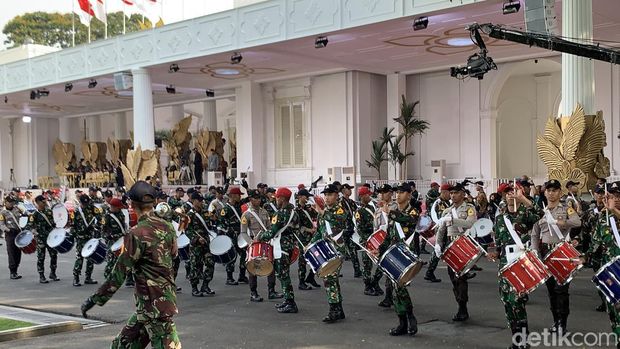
x: 528, y: 218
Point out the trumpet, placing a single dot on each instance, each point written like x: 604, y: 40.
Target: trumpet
x: 184, y: 219
x: 162, y: 209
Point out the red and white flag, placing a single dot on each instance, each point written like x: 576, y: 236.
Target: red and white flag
x: 150, y: 9
x: 99, y: 10
x: 129, y: 7
x: 84, y: 11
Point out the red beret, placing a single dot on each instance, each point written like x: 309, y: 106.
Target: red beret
x: 116, y: 202
x: 504, y: 187
x: 283, y: 192
x: 434, y: 184
x: 301, y: 186
x: 234, y: 190
x: 364, y: 191
x: 445, y: 186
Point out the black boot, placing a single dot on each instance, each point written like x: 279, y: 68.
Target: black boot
x: 289, y: 307
x: 387, y: 301
x: 369, y: 290
x: 195, y: 291
x: 15, y: 276
x: 254, y: 297
x: 230, y: 280
x: 304, y: 287
x: 310, y: 280
x: 601, y: 307
x: 205, y: 290
x: 520, y: 333
x: 401, y: 328
x: 563, y: 321
x: 430, y: 276
x: 556, y: 323
x: 42, y: 279
x: 339, y: 311
x: 333, y: 314
x: 53, y: 276
x: 377, y: 288
x: 274, y: 295
x: 461, y: 314
x: 412, y: 327
x: 89, y: 281
x: 242, y: 278
x: 76, y: 281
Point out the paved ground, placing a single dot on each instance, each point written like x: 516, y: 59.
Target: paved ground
x: 229, y: 320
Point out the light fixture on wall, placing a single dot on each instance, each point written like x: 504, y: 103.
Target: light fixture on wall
x: 511, y: 6
x: 173, y: 68
x: 420, y: 23
x: 210, y: 92
x: 92, y: 83
x: 68, y: 87
x: 320, y: 42
x: 171, y: 89
x: 236, y: 58
x: 26, y: 119
x: 39, y: 93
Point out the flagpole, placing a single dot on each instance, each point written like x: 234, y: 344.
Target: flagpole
x: 73, y: 23
x: 89, y: 23
x: 105, y: 9
x: 124, y: 12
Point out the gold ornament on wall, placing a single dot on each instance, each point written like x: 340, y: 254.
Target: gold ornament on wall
x: 94, y: 153
x: 63, y: 154
x: 572, y: 148
x: 118, y: 149
x: 177, y: 145
x: 207, y: 140
x: 139, y: 165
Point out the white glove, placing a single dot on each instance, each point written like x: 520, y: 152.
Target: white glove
x: 445, y: 219
x: 437, y: 250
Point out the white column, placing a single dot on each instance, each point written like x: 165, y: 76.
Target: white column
x: 93, y: 124
x: 209, y: 116
x: 544, y: 109
x: 577, y: 72
x: 177, y: 113
x: 488, y: 143
x: 250, y: 131
x: 396, y: 87
x: 143, y: 119
x: 65, y: 129
x: 120, y: 126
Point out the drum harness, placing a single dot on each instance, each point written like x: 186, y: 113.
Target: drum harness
x: 46, y: 219
x: 212, y: 235
x: 275, y: 242
x: 14, y: 219
x: 123, y: 228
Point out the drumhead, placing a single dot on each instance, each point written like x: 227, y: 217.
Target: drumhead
x: 61, y: 215
x: 23, y: 221
x: 56, y: 237
x: 126, y: 215
x: 182, y: 241
x: 424, y: 223
x: 118, y: 244
x: 483, y: 227
x: 24, y: 238
x: 220, y: 245
x: 90, y: 247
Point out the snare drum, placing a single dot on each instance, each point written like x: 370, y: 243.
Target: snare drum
x: 260, y: 259
x: 60, y: 215
x: 559, y: 263
x: 26, y: 242
x: 424, y: 223
x: 222, y: 249
x: 323, y: 258
x: 400, y: 264
x: 294, y: 255
x: 95, y: 250
x: 23, y: 221
x: 183, y: 247
x: 607, y: 280
x: 60, y: 240
x: 525, y: 273
x: 462, y: 254
x: 117, y: 246
x: 375, y: 240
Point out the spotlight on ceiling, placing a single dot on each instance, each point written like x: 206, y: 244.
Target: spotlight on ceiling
x: 92, y: 83
x: 6, y: 99
x: 68, y: 87
x: 236, y: 58
x: 43, y: 92
x: 170, y: 89
x: 210, y: 92
x: 33, y: 95
x: 320, y: 42
x: 420, y: 23
x: 173, y: 68
x: 26, y: 119
x: 511, y: 7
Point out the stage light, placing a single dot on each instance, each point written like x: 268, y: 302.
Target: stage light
x: 210, y: 92
x: 43, y: 92
x: 26, y: 119
x: 68, y: 87
x: 92, y: 83
x: 33, y: 95
x: 236, y: 58
x: 173, y: 68
x: 6, y: 99
x: 320, y: 42
x: 170, y: 89
x: 511, y: 7
x: 420, y: 23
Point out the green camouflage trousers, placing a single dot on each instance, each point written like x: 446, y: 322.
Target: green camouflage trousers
x: 367, y: 268
x: 301, y: 261
x: 351, y: 252
x: 514, y: 306
x: 282, y: 268
x: 401, y: 300
x: 202, y: 264
x: 41, y: 248
x: 110, y: 261
x: 79, y: 260
x: 241, y: 256
x: 332, y: 288
x: 614, y: 318
x: 161, y: 333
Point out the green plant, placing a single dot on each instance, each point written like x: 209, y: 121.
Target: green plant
x: 164, y: 135
x: 378, y: 156
x: 411, y: 125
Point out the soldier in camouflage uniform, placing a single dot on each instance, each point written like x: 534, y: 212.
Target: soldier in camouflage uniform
x: 113, y: 228
x: 307, y: 215
x: 381, y: 222
x: 589, y: 226
x: 603, y: 238
x: 42, y: 222
x: 84, y: 222
x: 150, y: 247
x: 283, y: 227
x: 176, y: 201
x: 522, y: 217
x: 407, y: 216
x: 364, y: 218
x: 201, y: 258
x: 229, y: 223
x: 92, y: 193
x: 431, y: 196
x: 337, y: 218
x: 9, y: 225
x: 350, y: 208
x: 443, y: 202
x: 270, y: 202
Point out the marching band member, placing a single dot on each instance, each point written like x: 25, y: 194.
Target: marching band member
x: 381, y: 222
x: 253, y: 221
x: 545, y: 238
x: 442, y: 204
x: 9, y: 225
x: 229, y: 223
x: 590, y: 226
x: 350, y: 207
x: 522, y: 215
x: 84, y: 225
x: 201, y: 260
x: 364, y: 218
x: 454, y: 222
x: 335, y: 215
x: 283, y: 226
x: 42, y: 221
x: 113, y: 228
x: 270, y: 200
x: 307, y: 215
x: 407, y: 216
x: 176, y: 201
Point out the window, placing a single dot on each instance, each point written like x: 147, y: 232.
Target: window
x: 290, y: 133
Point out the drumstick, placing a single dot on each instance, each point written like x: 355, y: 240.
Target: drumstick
x: 428, y: 242
x: 299, y: 240
x: 606, y: 201
x: 564, y: 259
x: 372, y: 256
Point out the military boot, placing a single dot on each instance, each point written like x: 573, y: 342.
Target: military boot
x: 205, y: 290
x: 310, y: 279
x: 369, y: 290
x: 42, y: 279
x: 304, y: 287
x: 401, y: 328
x: 230, y: 280
x: 53, y: 276
x: 289, y: 307
x: 242, y: 278
x: 89, y: 281
x: 339, y: 311
x: 254, y: 297
x: 274, y: 295
x: 412, y: 327
x: 332, y: 316
x: 461, y: 314
x: 556, y: 323
x: 387, y: 301
x: 377, y: 288
x: 76, y: 281
x: 430, y: 276
x: 195, y: 291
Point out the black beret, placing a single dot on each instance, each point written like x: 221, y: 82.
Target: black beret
x: 254, y: 194
x: 84, y: 199
x: 271, y: 190
x: 330, y: 188
x: 347, y: 185
x: 10, y: 198
x: 197, y: 196
x: 386, y: 188
x: 553, y: 184
x: 39, y: 198
x: 457, y: 187
x: 304, y: 192
x: 614, y: 187
x: 142, y: 192
x: 405, y: 187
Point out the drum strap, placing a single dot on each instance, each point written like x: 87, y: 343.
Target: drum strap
x: 118, y: 222
x: 614, y: 228
x: 204, y: 224
x: 456, y: 215
x: 372, y: 214
x: 46, y: 219
x: 235, y: 212
x: 513, y: 233
x: 15, y: 219
x: 434, y: 211
x: 260, y: 221
x: 83, y: 217
x: 273, y: 207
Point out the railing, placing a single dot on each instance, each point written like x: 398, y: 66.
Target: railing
x: 490, y: 185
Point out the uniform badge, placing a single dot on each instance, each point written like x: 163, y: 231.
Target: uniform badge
x: 470, y: 211
x: 570, y: 211
x: 357, y: 215
x: 413, y: 213
x: 340, y: 211
x: 244, y: 220
x: 274, y: 220
x: 31, y: 219
x: 103, y: 221
x: 1, y: 218
x: 223, y: 213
